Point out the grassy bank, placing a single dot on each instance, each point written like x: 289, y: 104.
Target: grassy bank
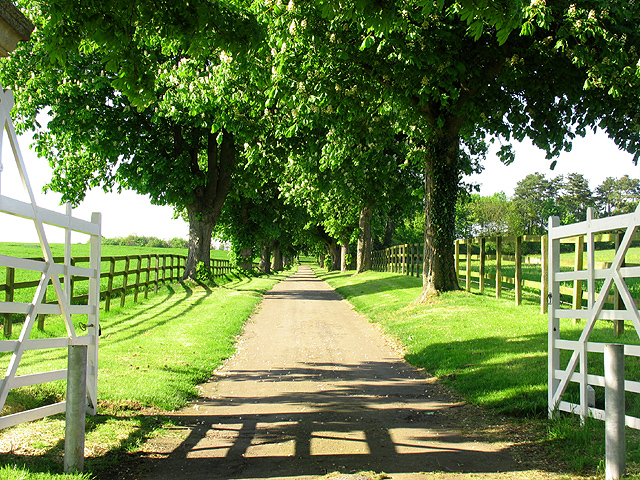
x: 493, y: 353
x: 152, y: 356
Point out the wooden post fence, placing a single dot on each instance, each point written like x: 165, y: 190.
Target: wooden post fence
x: 498, y: 266
x: 579, y: 265
x: 123, y: 293
x: 518, y: 278
x: 483, y: 257
x: 8, y: 292
x: 618, y: 325
x: 468, y: 266
x: 508, y: 273
x: 147, y: 270
x: 544, y: 249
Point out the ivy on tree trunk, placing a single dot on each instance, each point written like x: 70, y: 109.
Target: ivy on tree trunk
x: 276, y: 262
x: 442, y: 174
x: 265, y: 257
x: 334, y: 253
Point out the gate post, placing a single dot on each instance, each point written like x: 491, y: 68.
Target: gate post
x: 76, y: 409
x: 554, y: 322
x: 614, y: 421
x: 483, y: 254
x: 518, y: 275
x: 498, y: 265
x: 468, y: 266
x: 544, y: 280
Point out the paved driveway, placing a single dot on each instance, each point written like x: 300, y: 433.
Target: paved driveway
x: 315, y: 388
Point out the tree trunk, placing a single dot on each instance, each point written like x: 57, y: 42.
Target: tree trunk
x: 276, y: 262
x: 331, y: 245
x: 200, y: 228
x: 343, y: 257
x: 247, y: 259
x: 364, y: 240
x: 265, y: 258
x: 208, y: 198
x: 334, y: 254
x: 441, y: 192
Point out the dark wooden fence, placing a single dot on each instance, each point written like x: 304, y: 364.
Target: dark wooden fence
x: 121, y: 276
x: 504, y: 266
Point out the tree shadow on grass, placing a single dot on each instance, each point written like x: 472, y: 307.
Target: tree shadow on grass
x: 360, y: 285
x: 479, y: 370
x: 107, y: 461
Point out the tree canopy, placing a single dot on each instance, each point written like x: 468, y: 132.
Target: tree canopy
x: 176, y: 139
x: 358, y: 101
x: 537, y: 197
x: 551, y: 70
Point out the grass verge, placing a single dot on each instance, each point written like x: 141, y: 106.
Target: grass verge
x: 490, y: 351
x: 152, y: 356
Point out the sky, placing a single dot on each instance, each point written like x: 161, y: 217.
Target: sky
x: 595, y: 156
x: 122, y: 214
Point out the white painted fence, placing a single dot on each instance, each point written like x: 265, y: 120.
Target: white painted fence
x: 50, y: 271
x: 576, y: 368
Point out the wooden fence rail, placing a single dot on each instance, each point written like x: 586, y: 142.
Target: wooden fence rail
x: 478, y: 266
x: 125, y: 275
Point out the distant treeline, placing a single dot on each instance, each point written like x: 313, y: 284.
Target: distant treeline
x: 153, y: 242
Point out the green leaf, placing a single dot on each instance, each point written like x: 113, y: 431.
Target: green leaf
x: 367, y: 42
x: 476, y: 28
x: 527, y: 29
x: 503, y: 35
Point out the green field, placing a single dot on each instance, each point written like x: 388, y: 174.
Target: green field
x: 490, y: 351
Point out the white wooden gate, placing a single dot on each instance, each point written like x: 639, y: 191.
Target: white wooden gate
x: 50, y: 272
x: 573, y: 366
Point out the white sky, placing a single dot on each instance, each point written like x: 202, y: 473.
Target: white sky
x: 595, y: 156
x: 122, y: 214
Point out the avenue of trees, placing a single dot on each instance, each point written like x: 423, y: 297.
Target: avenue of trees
x: 288, y: 126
